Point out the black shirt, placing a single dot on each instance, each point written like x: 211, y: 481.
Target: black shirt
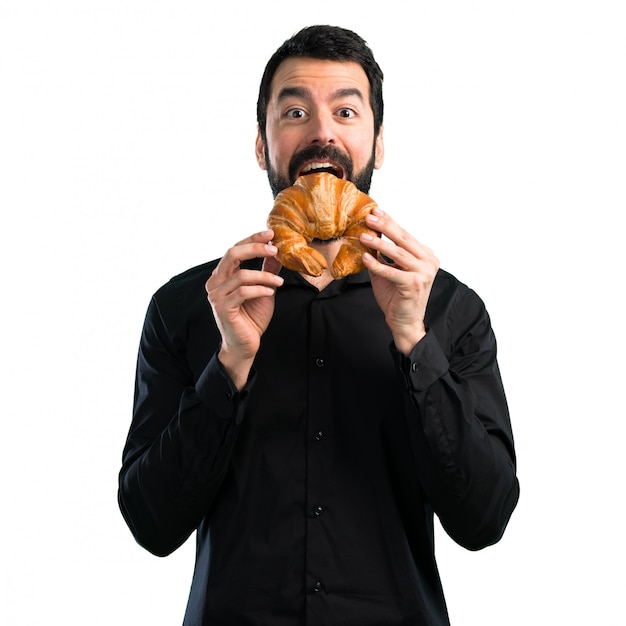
x: 313, y: 490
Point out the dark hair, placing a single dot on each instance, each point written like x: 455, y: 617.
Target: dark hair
x: 330, y: 43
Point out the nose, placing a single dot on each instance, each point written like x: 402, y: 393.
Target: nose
x: 321, y: 129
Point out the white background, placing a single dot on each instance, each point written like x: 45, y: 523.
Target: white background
x: 126, y: 156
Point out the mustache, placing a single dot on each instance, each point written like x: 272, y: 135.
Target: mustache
x: 318, y: 153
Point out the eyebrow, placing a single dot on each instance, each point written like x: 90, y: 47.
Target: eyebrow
x: 303, y: 92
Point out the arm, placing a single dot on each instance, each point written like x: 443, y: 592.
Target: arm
x: 455, y: 403
x: 459, y: 424
x: 179, y: 442
x: 183, y: 430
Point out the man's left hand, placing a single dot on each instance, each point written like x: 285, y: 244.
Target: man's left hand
x: 402, y: 277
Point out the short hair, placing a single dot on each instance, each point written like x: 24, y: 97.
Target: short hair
x: 330, y: 43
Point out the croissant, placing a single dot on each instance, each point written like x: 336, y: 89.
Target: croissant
x: 320, y: 206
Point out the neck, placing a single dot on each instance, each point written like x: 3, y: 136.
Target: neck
x: 328, y: 249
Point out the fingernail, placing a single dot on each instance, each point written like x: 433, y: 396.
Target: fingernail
x: 377, y: 211
x: 367, y: 237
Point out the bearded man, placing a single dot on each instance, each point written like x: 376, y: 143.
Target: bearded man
x: 308, y: 429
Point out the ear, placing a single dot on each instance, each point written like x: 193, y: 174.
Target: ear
x: 380, y: 150
x: 259, y: 150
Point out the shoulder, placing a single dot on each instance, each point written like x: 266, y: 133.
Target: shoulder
x: 179, y: 313
x: 454, y: 310
x: 182, y: 299
x: 187, y: 289
x: 449, y: 291
x: 191, y: 276
x: 186, y: 285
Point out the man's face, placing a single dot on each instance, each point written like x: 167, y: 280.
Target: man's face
x: 319, y: 117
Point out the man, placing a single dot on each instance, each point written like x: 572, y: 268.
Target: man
x: 307, y: 428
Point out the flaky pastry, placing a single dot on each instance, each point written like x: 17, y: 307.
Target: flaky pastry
x: 320, y: 206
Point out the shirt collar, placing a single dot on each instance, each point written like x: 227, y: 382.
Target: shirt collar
x: 295, y: 279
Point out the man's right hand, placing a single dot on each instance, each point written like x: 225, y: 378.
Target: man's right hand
x: 243, y: 302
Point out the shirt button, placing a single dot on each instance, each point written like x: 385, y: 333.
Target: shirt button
x: 317, y: 586
x: 414, y: 367
x: 320, y: 362
x: 318, y: 510
x: 319, y: 435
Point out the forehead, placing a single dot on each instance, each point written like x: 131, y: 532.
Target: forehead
x: 319, y: 76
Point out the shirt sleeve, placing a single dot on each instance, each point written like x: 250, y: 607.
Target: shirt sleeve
x: 460, y: 427
x: 180, y: 440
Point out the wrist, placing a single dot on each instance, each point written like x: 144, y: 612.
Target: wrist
x: 405, y: 342
x: 237, y: 367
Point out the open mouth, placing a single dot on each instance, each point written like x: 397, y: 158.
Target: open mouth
x: 315, y: 167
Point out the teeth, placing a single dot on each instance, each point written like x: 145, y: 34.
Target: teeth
x: 318, y: 166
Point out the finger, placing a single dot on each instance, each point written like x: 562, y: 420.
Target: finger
x: 263, y: 237
x: 254, y: 247
x: 243, y: 285
x: 389, y: 253
x: 407, y: 281
x: 379, y: 221
x: 243, y: 293
x: 229, y: 273
x: 383, y: 269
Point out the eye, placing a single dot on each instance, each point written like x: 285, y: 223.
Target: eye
x: 346, y: 113
x: 295, y: 114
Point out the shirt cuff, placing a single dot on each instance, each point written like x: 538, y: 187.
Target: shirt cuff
x: 425, y: 364
x: 216, y: 390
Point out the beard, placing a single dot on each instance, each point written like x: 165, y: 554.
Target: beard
x: 362, y: 180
